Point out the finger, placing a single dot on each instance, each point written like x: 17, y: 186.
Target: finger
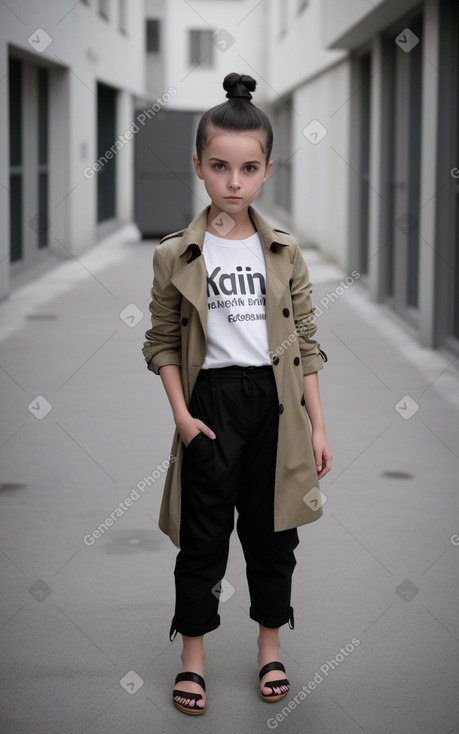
x: 205, y: 429
x: 326, y: 468
x: 318, y: 458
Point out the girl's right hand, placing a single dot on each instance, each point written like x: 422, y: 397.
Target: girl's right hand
x: 189, y: 427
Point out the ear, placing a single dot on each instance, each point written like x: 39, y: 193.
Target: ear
x: 197, y: 166
x: 269, y: 165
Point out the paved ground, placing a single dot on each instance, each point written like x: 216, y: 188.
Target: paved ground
x: 376, y: 641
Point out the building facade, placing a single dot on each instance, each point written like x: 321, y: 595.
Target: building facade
x: 365, y: 95
x: 70, y: 74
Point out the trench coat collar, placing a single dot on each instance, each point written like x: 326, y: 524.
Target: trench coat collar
x: 189, y: 280
x: 196, y: 230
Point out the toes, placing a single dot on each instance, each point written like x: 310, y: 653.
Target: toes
x: 184, y: 701
x: 190, y: 701
x: 267, y: 690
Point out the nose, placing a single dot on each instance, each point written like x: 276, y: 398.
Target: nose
x: 234, y: 181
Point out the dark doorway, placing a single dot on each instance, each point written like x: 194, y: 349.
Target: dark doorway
x: 106, y: 135
x: 16, y: 162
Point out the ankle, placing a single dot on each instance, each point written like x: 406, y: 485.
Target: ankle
x: 266, y: 642
x: 196, y: 656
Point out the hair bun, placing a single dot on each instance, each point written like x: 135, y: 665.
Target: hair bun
x: 237, y: 85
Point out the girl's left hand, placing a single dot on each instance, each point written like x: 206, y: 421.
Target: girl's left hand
x: 322, y: 453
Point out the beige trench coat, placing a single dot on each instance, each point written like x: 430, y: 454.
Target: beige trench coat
x: 178, y: 331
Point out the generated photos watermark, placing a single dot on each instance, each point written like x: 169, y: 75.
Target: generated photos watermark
x: 305, y: 324
x: 315, y: 131
x: 320, y: 675
x: 406, y: 407
x: 134, y: 495
x: 123, y: 139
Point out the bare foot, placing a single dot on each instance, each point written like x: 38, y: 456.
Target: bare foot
x: 192, y: 661
x: 268, y: 651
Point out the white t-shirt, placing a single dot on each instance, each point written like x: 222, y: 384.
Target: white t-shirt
x: 236, y: 302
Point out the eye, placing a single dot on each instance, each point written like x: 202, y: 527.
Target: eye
x: 250, y: 168
x: 219, y: 166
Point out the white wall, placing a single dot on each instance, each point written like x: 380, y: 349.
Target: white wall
x: 320, y: 207
x: 299, y: 53
x: 351, y: 23
x: 200, y: 88
x: 317, y: 81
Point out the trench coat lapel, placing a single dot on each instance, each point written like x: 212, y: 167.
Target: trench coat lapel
x: 191, y: 279
x: 191, y: 282
x: 279, y: 269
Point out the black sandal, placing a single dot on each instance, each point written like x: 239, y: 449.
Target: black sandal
x: 194, y: 710
x: 273, y: 683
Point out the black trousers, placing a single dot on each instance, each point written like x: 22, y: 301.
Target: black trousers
x: 235, y: 470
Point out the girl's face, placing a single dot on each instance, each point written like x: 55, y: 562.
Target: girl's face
x: 233, y: 167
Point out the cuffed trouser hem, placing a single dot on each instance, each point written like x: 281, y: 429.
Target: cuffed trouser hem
x: 270, y: 621
x: 193, y: 631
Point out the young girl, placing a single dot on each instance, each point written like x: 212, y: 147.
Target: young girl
x: 231, y: 338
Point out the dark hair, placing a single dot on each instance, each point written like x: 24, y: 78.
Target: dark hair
x: 238, y: 113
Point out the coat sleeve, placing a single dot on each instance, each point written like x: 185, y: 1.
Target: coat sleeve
x: 163, y: 340
x: 312, y: 356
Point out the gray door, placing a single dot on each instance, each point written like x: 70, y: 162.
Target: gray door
x: 447, y: 239
x: 402, y: 266
x: 163, y: 173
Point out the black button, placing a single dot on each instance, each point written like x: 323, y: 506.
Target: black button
x: 281, y: 408
x: 276, y: 360
x: 302, y: 400
x: 286, y: 312
x: 296, y: 361
x: 184, y: 321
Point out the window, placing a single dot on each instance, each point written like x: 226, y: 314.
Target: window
x: 283, y: 171
x: 364, y: 160
x: 104, y: 8
x: 153, y: 35
x: 122, y: 16
x: 283, y: 9
x: 201, y: 48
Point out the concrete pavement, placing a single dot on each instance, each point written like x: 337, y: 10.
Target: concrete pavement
x: 85, y: 615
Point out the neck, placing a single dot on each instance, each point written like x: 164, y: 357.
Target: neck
x: 243, y: 225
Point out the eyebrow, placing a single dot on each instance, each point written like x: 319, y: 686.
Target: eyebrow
x: 220, y: 160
